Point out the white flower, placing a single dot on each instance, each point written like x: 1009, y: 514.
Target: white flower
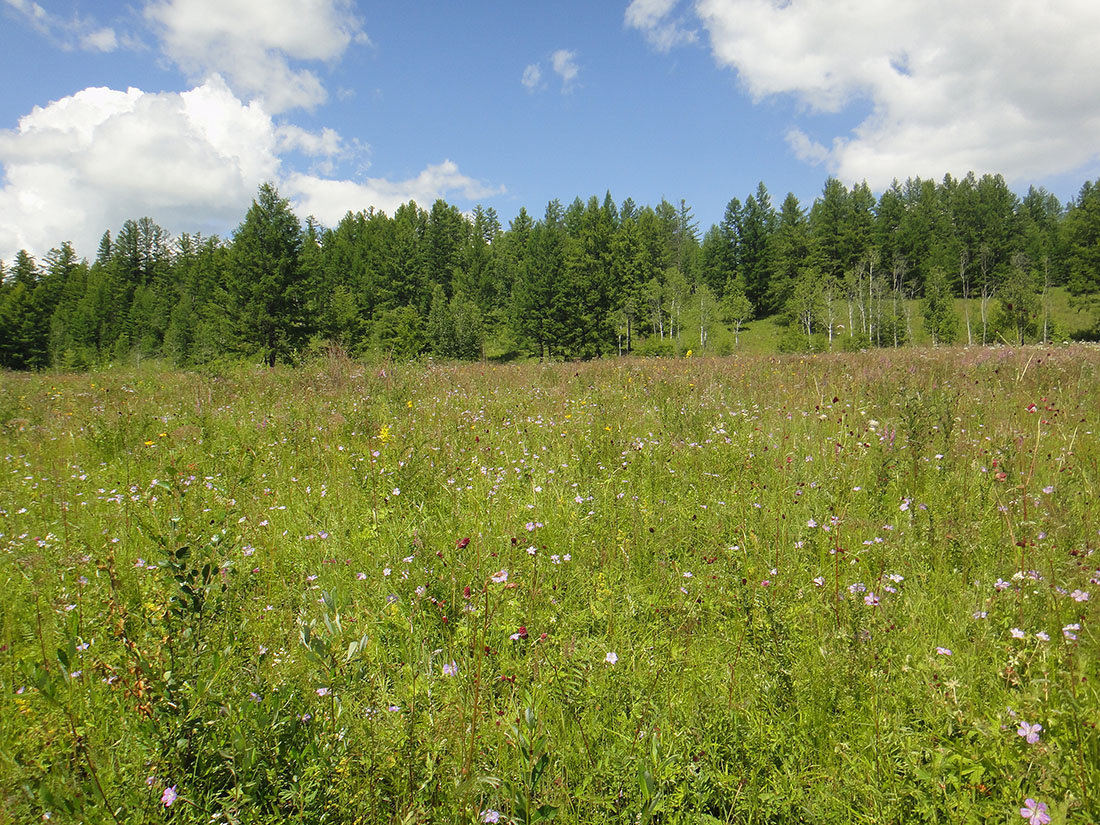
x: 500, y: 576
x: 611, y: 658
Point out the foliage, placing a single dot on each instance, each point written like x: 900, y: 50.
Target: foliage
x: 586, y: 280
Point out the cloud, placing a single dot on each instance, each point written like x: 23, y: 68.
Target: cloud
x: 252, y: 43
x: 565, y: 66
x: 88, y: 162
x: 68, y: 34
x: 329, y: 200
x: 532, y: 77
x: 191, y: 161
x: 984, y: 85
x: 654, y: 19
x: 805, y: 148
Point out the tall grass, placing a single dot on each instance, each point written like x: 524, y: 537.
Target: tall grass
x: 820, y: 589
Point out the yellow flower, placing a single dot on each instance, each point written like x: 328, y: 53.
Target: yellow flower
x: 689, y: 353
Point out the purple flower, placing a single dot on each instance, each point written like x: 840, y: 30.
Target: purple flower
x: 450, y: 669
x: 169, y: 796
x: 1035, y: 812
x: 1030, y: 732
x: 489, y: 815
x: 943, y: 651
x: 1079, y: 595
x: 611, y: 658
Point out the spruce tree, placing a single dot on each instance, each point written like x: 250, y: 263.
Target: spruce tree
x: 265, y: 295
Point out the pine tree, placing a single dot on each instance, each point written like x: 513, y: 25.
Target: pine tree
x: 264, y: 281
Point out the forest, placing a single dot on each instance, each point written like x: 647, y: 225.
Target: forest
x: 590, y: 279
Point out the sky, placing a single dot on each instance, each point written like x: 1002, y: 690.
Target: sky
x: 179, y: 109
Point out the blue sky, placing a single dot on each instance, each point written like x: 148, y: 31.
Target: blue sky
x: 178, y: 109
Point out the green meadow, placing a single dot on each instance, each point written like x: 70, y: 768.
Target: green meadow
x: 834, y: 588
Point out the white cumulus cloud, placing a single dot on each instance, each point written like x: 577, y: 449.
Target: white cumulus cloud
x: 655, y: 19
x: 252, y: 43
x: 565, y: 67
x: 191, y: 161
x: 329, y: 200
x: 532, y: 77
x: 983, y: 85
x: 86, y: 163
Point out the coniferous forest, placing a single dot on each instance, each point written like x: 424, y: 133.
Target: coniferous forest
x: 590, y: 279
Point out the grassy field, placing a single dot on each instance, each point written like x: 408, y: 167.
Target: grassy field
x: 765, y: 335
x: 844, y: 588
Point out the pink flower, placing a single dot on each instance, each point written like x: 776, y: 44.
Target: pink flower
x: 169, y: 796
x: 1030, y: 732
x: 1035, y: 812
x: 500, y: 576
x: 943, y: 651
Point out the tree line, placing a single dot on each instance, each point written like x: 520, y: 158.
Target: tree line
x: 590, y: 279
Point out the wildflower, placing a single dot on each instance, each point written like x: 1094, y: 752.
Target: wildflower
x: 611, y: 658
x: 1069, y: 631
x: 819, y: 581
x: 871, y: 600
x: 979, y: 614
x: 532, y: 550
x: 396, y: 491
x: 169, y: 796
x: 943, y: 651
x: 1016, y: 633
x: 811, y: 523
x: 450, y: 669
x: 489, y: 815
x: 1035, y: 812
x: 688, y: 574
x: 500, y: 577
x: 1042, y: 636
x: 1001, y: 584
x: 386, y: 571
x: 1030, y: 732
x: 322, y: 691
x: 361, y: 576
x: 1079, y: 595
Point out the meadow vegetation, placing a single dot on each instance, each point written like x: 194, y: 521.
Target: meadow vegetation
x: 836, y: 588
